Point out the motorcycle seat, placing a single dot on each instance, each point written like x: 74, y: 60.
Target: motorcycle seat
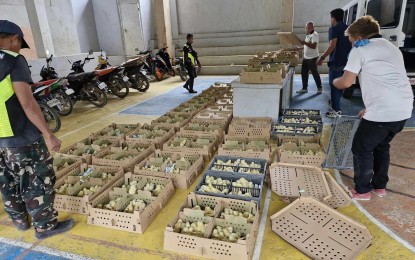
x: 43, y: 83
x: 78, y: 76
x: 104, y: 71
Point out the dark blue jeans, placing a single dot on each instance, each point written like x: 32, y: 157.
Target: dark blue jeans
x: 371, y: 154
x: 336, y: 94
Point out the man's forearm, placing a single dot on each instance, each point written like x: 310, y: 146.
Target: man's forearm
x: 328, y: 51
x: 345, y: 81
x: 310, y: 45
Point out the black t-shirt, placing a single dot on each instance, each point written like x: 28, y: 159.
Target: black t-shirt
x: 25, y: 133
x: 21, y: 72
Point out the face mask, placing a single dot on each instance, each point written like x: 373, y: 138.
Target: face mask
x: 360, y: 43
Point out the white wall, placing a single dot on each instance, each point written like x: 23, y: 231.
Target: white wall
x: 62, y: 27
x: 316, y: 11
x: 108, y: 27
x: 85, y: 25
x: 147, y: 20
x: 201, y: 16
x: 14, y: 11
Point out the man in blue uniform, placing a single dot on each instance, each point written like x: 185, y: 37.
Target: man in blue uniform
x: 190, y: 60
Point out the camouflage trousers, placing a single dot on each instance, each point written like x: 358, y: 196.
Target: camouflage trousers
x: 26, y: 184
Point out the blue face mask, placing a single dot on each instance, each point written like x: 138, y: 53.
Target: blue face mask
x: 361, y: 43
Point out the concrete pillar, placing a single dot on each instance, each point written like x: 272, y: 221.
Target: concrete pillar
x: 163, y: 25
x: 40, y: 27
x: 63, y: 27
x: 287, y: 18
x: 131, y: 26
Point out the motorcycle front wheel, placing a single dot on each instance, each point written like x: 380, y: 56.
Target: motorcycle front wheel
x: 95, y: 95
x: 51, y: 117
x: 183, y: 74
x: 118, y: 87
x: 66, y: 106
x: 140, y: 82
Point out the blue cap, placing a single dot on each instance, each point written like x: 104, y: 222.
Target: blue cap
x: 12, y: 28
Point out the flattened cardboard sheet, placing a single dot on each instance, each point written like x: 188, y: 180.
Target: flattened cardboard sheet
x: 340, y: 198
x: 319, y: 231
x: 292, y: 180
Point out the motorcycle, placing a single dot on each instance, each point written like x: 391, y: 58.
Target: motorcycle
x: 86, y: 85
x: 47, y: 103
x: 134, y: 70
x: 112, y: 76
x: 48, y: 72
x: 165, y: 57
x: 178, y: 65
x: 58, y: 88
x: 155, y: 66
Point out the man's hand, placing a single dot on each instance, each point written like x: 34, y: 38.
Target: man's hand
x: 319, y: 62
x: 302, y: 42
x: 53, y: 143
x: 361, y: 113
x: 199, y: 65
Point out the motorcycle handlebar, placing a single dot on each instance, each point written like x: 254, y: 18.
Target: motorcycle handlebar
x: 50, y: 58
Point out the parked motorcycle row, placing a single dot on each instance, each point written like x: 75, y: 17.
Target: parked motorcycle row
x: 57, y: 95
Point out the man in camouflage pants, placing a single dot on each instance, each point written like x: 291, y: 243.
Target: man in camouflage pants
x: 30, y: 166
x: 26, y: 174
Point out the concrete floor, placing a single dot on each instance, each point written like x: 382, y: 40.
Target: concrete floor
x: 85, y: 241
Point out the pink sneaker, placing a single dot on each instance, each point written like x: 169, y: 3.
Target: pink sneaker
x: 379, y: 192
x: 358, y: 196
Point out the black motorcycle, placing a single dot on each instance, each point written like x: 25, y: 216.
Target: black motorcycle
x: 135, y: 70
x: 86, y: 85
x: 155, y: 65
x: 113, y: 77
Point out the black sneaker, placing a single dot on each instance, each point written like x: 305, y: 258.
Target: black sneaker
x: 192, y: 91
x: 186, y: 87
x: 302, y: 91
x: 61, y: 227
x: 319, y: 91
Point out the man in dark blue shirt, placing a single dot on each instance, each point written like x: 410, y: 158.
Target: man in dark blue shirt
x: 339, y: 48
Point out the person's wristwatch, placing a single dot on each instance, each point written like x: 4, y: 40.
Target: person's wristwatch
x: 322, y: 58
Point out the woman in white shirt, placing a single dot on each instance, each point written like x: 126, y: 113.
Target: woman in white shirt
x: 388, y: 99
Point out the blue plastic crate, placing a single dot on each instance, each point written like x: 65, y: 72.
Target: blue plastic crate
x: 302, y: 112
x: 239, y: 170
x: 233, y: 177
x: 219, y: 187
